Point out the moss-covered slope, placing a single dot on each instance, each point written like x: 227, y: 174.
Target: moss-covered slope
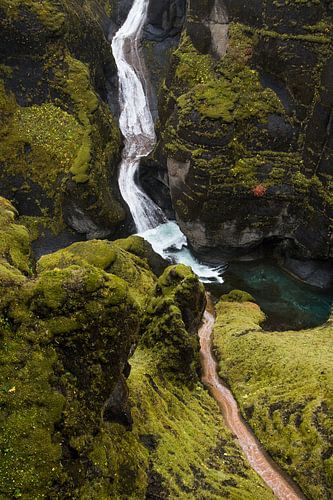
x: 282, y: 382
x: 60, y: 144
x: 68, y: 326
x: 178, y: 448
x: 65, y: 337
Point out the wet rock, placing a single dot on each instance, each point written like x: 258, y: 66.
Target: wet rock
x: 240, y: 177
x: 62, y: 143
x: 315, y: 273
x: 165, y: 19
x: 117, y: 407
x: 207, y: 25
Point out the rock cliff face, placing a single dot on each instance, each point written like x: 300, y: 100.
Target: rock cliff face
x: 60, y: 145
x: 245, y: 122
x: 161, y: 36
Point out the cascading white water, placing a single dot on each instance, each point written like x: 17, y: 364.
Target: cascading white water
x: 168, y: 241
x: 136, y: 122
x: 137, y: 127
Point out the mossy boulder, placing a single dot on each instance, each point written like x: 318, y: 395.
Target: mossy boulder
x: 282, y: 382
x: 110, y: 257
x: 15, y: 249
x: 60, y: 143
x: 237, y: 296
x: 172, y: 318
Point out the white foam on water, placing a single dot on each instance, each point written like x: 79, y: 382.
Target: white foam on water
x: 137, y: 126
x: 168, y: 241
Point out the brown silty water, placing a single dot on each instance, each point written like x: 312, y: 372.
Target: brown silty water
x: 274, y: 477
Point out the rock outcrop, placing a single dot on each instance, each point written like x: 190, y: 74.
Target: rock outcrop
x: 172, y: 320
x: 60, y: 145
x: 246, y: 126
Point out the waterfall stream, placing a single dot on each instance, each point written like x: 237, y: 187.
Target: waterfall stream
x: 136, y: 122
x: 137, y: 126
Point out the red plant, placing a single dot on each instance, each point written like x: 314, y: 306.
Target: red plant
x: 259, y: 191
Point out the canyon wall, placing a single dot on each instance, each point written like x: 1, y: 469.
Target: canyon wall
x: 60, y: 144
x: 246, y: 126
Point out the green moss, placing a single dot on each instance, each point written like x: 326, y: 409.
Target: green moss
x: 279, y: 168
x: 229, y: 91
x: 15, y: 249
x: 110, y: 257
x: 47, y: 13
x: 59, y: 287
x: 237, y: 296
x: 178, y: 448
x: 193, y: 68
x: 54, y: 137
x: 78, y: 86
x: 317, y: 38
x: 53, y: 134
x: 172, y: 317
x: 38, y: 226
x: 98, y: 253
x: 282, y: 382
x: 30, y: 459
x: 9, y: 275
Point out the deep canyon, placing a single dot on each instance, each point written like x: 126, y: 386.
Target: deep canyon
x: 151, y: 151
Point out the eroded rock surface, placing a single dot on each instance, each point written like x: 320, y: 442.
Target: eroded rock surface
x: 60, y: 145
x: 246, y: 134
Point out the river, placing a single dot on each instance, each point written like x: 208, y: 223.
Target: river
x: 137, y: 127
x: 280, y: 484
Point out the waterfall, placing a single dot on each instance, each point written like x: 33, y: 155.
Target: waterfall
x: 136, y: 122
x: 137, y: 126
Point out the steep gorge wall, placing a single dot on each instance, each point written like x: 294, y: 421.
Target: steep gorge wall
x: 247, y: 136
x: 60, y: 145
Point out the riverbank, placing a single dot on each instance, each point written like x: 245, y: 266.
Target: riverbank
x: 282, y: 383
x: 282, y: 486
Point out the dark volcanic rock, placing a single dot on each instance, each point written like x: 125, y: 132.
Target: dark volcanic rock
x: 246, y: 134
x: 165, y: 19
x: 60, y: 143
